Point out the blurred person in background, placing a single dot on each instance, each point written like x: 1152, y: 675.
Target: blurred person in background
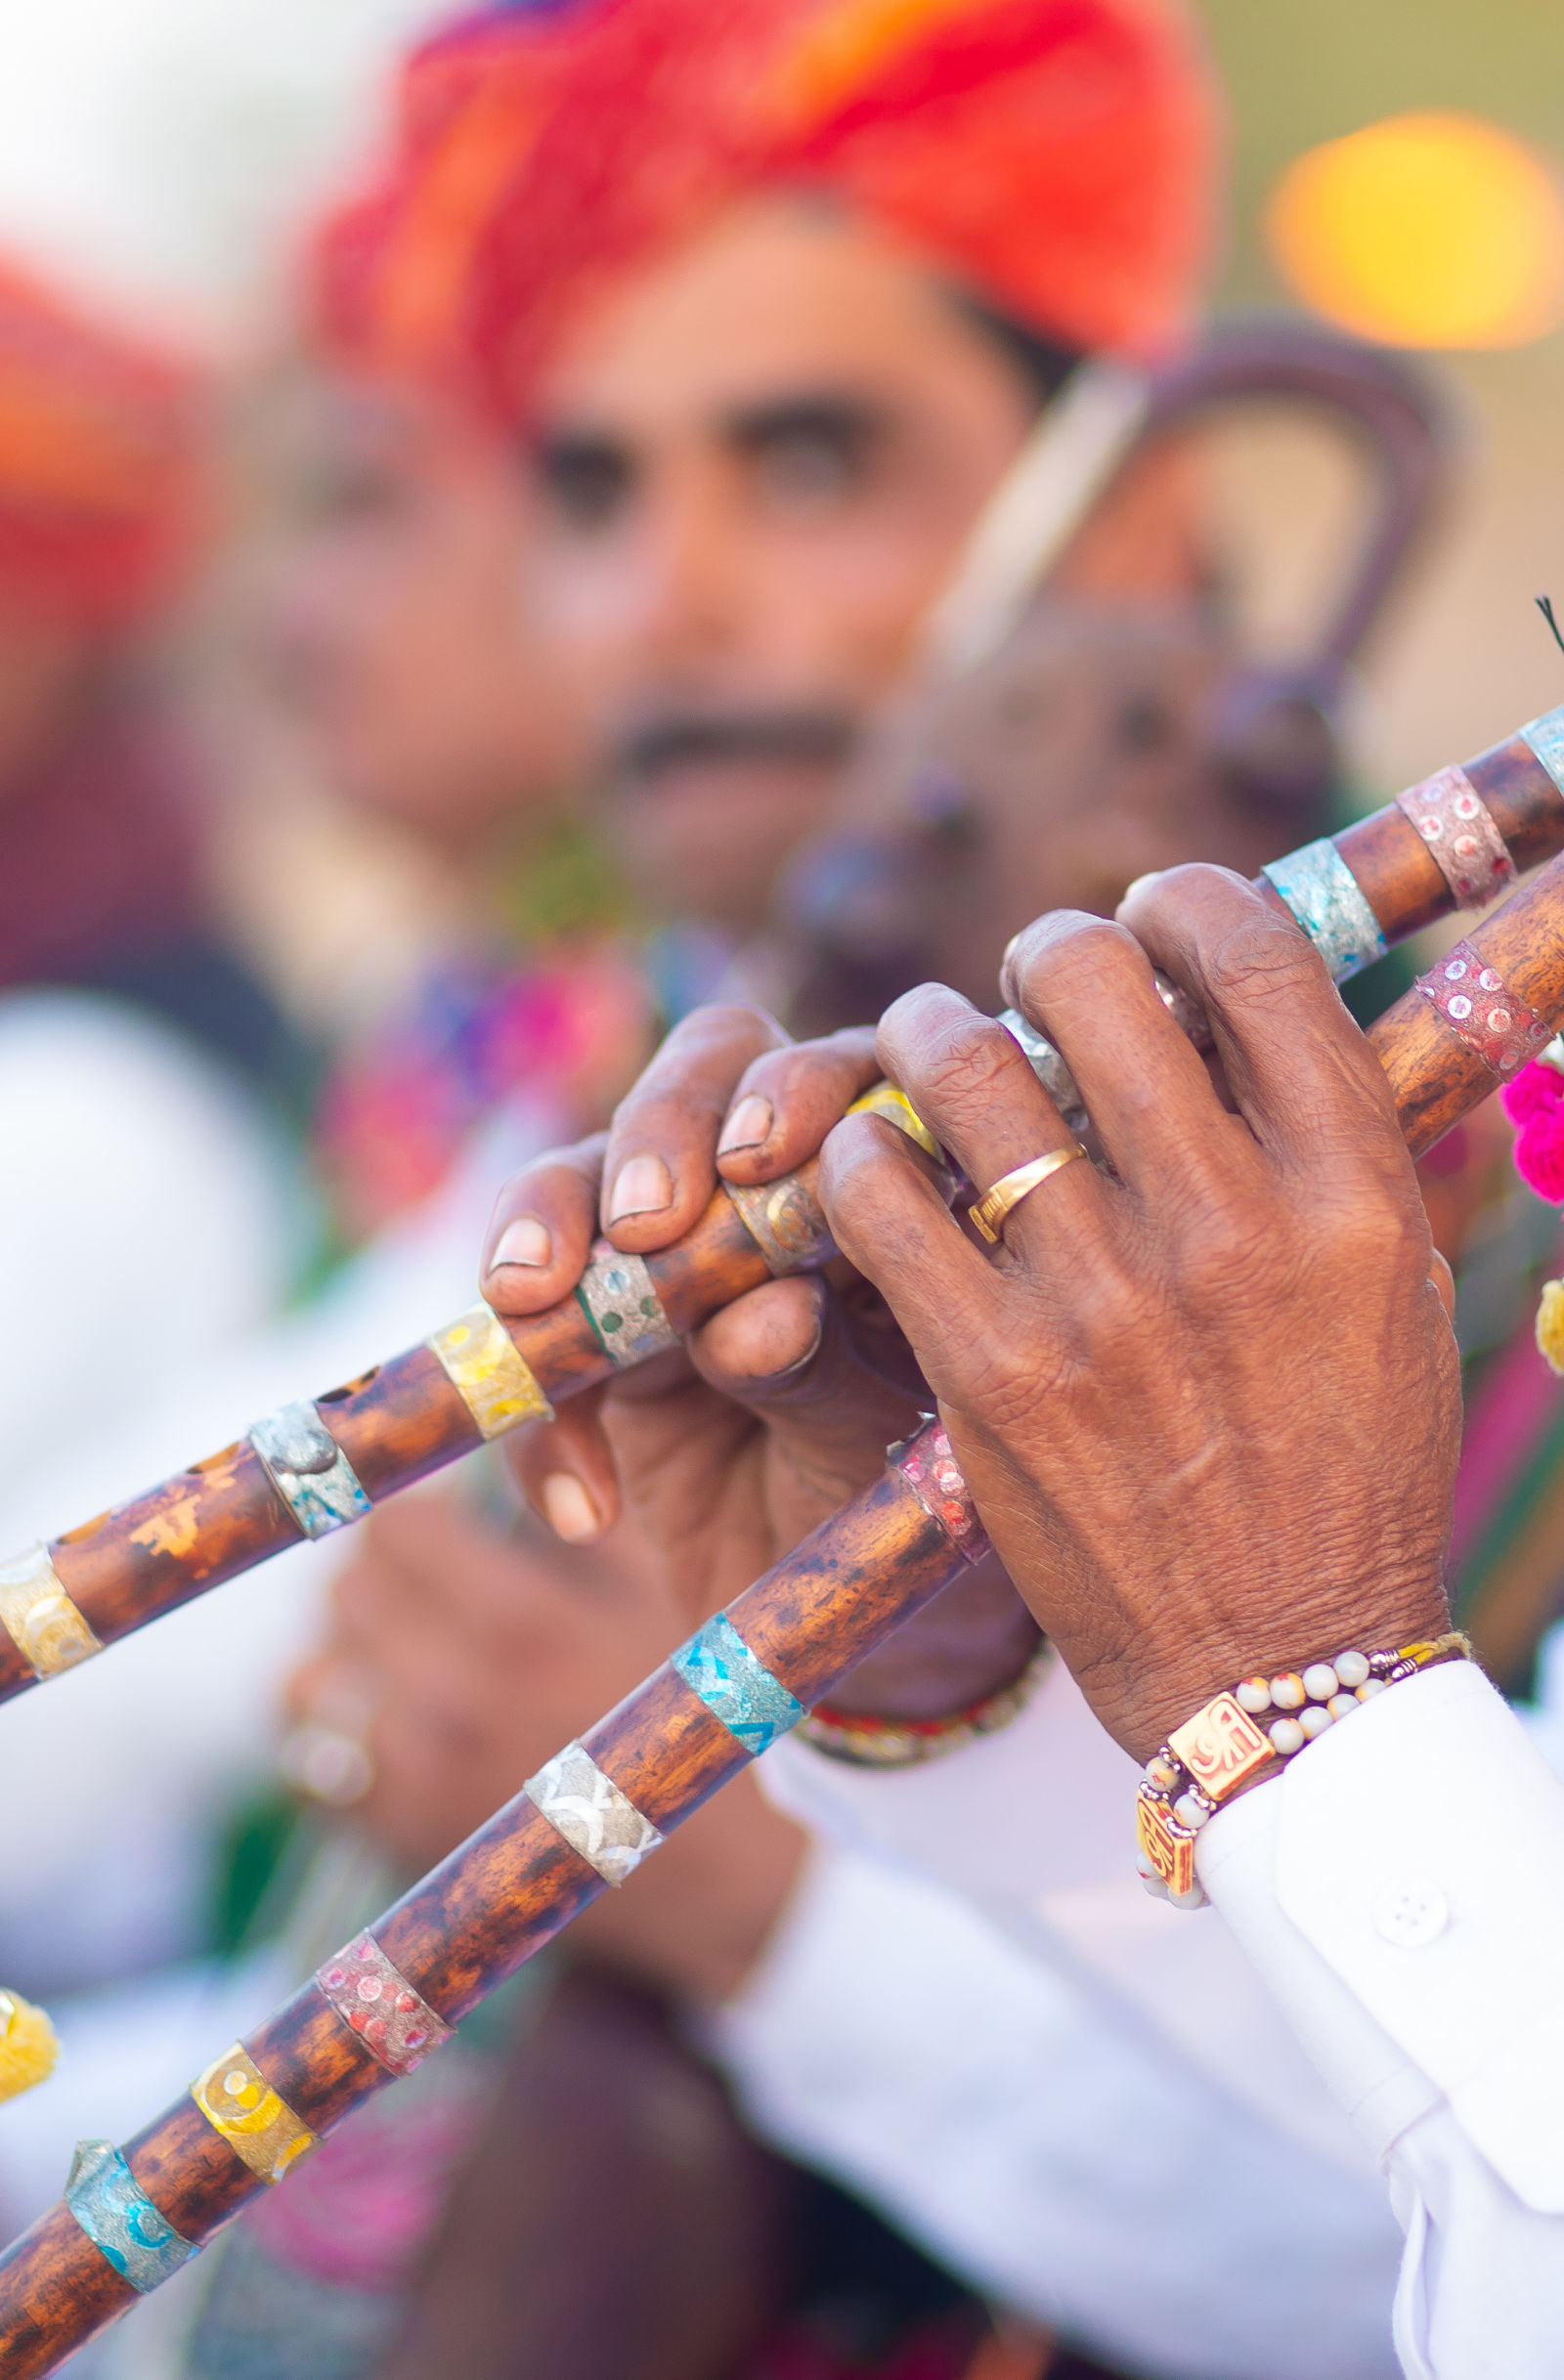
x: 143, y: 1074
x: 779, y: 299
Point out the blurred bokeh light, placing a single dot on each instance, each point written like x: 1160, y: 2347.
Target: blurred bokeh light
x: 1426, y: 230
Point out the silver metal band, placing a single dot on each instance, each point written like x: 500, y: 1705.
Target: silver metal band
x: 589, y: 1810
x: 621, y: 1302
x: 736, y: 1686
x: 132, y: 2234
x: 1546, y: 737
x: 1327, y: 902
x: 308, y: 1469
x: 39, y: 1616
x: 786, y: 1224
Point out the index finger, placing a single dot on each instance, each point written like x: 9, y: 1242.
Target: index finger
x: 660, y: 1163
x: 1305, y: 1081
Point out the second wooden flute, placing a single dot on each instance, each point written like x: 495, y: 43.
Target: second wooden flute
x: 1459, y: 839
x: 132, y: 2217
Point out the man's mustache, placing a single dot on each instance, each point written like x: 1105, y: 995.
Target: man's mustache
x: 696, y: 739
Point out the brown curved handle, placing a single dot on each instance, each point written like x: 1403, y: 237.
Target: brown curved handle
x: 1389, y: 407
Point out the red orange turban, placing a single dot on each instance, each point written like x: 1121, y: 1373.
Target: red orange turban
x: 1057, y: 157
x: 97, y: 448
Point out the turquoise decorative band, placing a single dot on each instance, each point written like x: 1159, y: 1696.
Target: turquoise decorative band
x: 309, y: 1470
x: 1546, y: 737
x: 120, y: 2220
x: 595, y: 1817
x: 717, y: 1665
x: 619, y: 1300
x: 1326, y: 898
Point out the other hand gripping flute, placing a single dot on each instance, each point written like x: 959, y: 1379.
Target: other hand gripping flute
x: 1457, y: 840
x: 132, y: 2217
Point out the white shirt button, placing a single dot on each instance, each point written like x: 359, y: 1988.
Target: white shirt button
x: 1411, y: 1915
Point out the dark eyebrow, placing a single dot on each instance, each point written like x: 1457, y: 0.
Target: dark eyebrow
x: 824, y: 413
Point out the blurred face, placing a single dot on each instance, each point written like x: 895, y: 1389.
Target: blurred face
x: 758, y: 465
x: 393, y: 622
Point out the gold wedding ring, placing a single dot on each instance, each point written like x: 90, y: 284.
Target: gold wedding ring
x: 991, y: 1212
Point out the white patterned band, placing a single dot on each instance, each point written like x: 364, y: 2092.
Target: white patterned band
x: 591, y: 1813
x: 128, y: 2231
x: 621, y: 1302
x: 1327, y: 902
x: 1546, y: 736
x: 39, y: 1616
x: 308, y: 1469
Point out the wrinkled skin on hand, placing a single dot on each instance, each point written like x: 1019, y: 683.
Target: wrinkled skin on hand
x: 782, y: 1406
x: 1209, y: 1406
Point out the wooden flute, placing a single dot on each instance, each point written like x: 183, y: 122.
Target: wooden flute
x: 132, y: 2217
x: 1457, y: 840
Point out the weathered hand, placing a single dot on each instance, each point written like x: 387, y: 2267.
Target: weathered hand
x: 786, y: 1401
x: 1209, y: 1409
x: 479, y: 1655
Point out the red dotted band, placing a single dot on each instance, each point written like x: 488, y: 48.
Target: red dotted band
x: 1454, y: 821
x: 932, y: 1473
x: 376, y: 2000
x: 1476, y: 1003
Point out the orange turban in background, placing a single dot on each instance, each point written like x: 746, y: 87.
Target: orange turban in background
x: 98, y: 460
x: 1058, y: 157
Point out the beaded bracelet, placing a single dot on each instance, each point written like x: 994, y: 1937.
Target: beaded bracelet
x: 868, y: 1742
x: 1232, y: 1741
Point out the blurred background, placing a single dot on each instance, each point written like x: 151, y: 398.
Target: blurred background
x: 170, y: 155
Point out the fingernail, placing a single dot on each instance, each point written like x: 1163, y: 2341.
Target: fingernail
x: 641, y: 1186
x: 525, y: 1241
x: 748, y: 1126
x: 570, y: 1510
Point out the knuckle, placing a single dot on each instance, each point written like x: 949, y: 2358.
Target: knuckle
x: 967, y: 1060
x: 1074, y: 952
x: 1261, y: 959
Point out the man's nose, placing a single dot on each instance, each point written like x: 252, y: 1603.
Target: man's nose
x: 692, y: 593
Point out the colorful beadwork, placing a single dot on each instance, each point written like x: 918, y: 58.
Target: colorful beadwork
x: 620, y: 1298
x: 932, y: 1473
x: 237, y: 2100
x: 39, y: 1616
x: 132, y: 2234
x: 309, y: 1470
x: 1454, y: 821
x: 594, y: 1817
x: 376, y: 1999
x: 785, y: 1222
x: 1474, y: 1000
x: 494, y: 1384
x: 737, y: 1688
x: 1329, y: 903
x: 1546, y: 736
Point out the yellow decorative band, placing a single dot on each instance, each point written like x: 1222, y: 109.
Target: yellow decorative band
x: 896, y: 1108
x: 237, y: 2100
x: 494, y: 1383
x: 39, y: 1616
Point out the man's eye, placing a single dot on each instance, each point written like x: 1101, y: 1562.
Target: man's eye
x: 809, y: 470
x: 588, y: 485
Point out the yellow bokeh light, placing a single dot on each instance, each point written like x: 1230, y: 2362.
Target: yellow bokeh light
x: 1425, y: 230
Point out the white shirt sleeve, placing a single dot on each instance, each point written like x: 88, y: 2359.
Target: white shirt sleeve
x: 1400, y: 1890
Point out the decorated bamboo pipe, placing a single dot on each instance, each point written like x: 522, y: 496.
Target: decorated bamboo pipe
x: 132, y: 2217
x: 1459, y: 839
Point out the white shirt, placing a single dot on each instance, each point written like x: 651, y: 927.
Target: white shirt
x: 1035, y: 1826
